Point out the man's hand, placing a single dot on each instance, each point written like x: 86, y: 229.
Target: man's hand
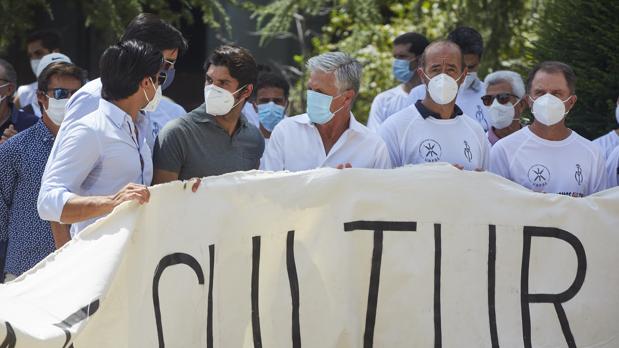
x: 461, y: 167
x: 343, y: 166
x: 195, y: 185
x: 131, y: 192
x: 9, y: 132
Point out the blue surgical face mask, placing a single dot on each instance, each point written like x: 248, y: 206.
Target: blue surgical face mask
x: 270, y: 114
x: 319, y: 107
x: 169, y: 78
x: 401, y: 70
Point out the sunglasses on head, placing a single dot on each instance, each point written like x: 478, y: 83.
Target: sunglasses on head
x: 62, y: 93
x: 502, y: 98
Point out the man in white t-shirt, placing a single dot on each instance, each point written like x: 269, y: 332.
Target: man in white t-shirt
x: 38, y: 45
x: 328, y: 135
x: 406, y: 51
x: 472, y: 89
x: 505, y: 102
x: 609, y: 141
x: 435, y: 129
x: 547, y: 156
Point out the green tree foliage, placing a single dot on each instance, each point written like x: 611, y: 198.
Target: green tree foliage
x: 585, y: 35
x: 17, y: 17
x: 108, y: 17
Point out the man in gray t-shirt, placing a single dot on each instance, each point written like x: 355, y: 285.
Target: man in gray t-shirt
x: 215, y: 138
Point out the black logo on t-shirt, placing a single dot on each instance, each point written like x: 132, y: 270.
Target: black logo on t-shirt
x: 578, y: 174
x: 430, y: 150
x: 467, y: 151
x: 539, y: 175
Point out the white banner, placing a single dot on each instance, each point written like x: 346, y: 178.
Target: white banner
x: 424, y: 256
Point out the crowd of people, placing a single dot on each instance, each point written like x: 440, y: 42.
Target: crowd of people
x: 72, y: 149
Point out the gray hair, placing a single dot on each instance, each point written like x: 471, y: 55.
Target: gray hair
x: 513, y: 78
x: 9, y: 71
x: 347, y: 69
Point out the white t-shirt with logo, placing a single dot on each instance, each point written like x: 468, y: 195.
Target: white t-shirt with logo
x: 607, y: 142
x: 386, y: 104
x: 411, y: 139
x: 468, y: 99
x: 612, y: 168
x: 572, y: 167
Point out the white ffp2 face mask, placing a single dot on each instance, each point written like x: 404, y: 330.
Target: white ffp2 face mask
x: 154, y: 103
x: 443, y: 88
x: 56, y: 109
x: 219, y: 101
x: 501, y: 115
x: 548, y: 109
x: 34, y: 64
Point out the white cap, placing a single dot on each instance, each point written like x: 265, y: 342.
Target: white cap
x: 49, y: 59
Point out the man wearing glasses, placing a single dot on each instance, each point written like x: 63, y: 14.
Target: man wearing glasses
x: 103, y: 159
x: 28, y: 239
x: 435, y: 129
x: 163, y: 37
x: 12, y: 118
x: 504, y: 103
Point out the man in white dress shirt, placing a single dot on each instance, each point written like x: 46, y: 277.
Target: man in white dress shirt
x: 435, y: 129
x: 609, y: 141
x: 547, y: 156
x: 407, y: 48
x: 328, y: 135
x: 103, y: 159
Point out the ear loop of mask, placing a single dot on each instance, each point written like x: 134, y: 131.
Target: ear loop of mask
x: 235, y: 92
x: 4, y: 96
x: 145, y: 95
x: 336, y: 111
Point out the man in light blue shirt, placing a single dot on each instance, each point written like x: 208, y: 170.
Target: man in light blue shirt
x: 163, y: 37
x: 103, y: 159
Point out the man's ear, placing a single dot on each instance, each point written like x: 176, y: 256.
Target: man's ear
x: 249, y: 89
x: 422, y: 75
x: 571, y: 102
x: 144, y: 83
x: 42, y: 99
x: 528, y: 100
x: 522, y: 105
x: 465, y: 71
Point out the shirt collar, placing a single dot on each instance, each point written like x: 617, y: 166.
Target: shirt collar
x: 113, y: 112
x: 425, y: 112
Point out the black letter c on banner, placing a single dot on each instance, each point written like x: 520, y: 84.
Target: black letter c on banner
x: 167, y: 261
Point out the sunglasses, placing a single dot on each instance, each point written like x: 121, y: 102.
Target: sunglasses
x: 503, y: 98
x: 62, y: 93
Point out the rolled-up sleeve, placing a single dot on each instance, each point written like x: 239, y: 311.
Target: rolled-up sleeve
x: 76, y: 153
